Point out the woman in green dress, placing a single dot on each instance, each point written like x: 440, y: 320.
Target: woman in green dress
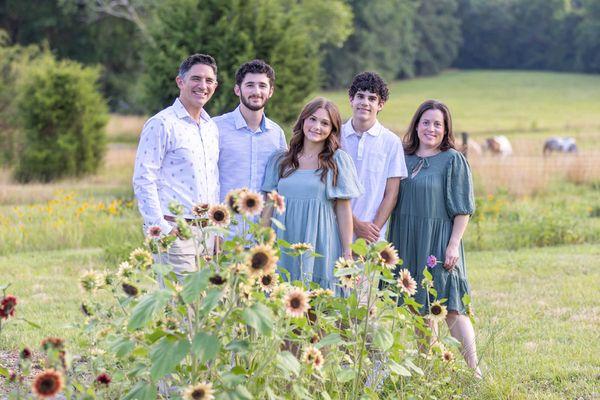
x: 430, y: 218
x: 317, y: 180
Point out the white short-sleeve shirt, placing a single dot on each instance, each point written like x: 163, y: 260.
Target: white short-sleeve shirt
x: 377, y: 155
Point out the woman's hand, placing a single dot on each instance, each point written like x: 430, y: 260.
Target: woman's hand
x: 452, y: 255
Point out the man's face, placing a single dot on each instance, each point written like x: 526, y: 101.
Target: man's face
x: 365, y: 106
x: 254, y: 91
x: 197, y: 86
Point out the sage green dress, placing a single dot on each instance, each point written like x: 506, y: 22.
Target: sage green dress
x: 310, y: 217
x: 421, y: 223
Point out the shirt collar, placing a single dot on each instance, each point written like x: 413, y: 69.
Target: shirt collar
x: 240, y: 122
x: 348, y: 129
x: 181, y: 112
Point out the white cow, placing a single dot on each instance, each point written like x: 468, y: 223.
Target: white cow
x: 499, y: 145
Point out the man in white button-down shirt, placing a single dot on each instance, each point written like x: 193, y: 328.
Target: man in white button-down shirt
x: 177, y: 159
x: 378, y: 156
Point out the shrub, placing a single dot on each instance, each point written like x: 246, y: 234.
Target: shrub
x: 63, y: 118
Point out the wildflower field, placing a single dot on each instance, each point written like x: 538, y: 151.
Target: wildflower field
x: 532, y: 253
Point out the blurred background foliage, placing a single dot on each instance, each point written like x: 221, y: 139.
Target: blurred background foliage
x: 312, y: 44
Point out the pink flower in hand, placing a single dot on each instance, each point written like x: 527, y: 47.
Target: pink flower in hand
x: 431, y: 261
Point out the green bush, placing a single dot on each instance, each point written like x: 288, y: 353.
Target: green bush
x: 63, y: 118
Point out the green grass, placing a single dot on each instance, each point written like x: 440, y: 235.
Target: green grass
x: 496, y: 101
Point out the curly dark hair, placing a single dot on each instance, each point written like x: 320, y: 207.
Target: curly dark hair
x: 411, y: 138
x: 370, y: 82
x: 194, y: 59
x: 255, y: 67
x: 289, y: 162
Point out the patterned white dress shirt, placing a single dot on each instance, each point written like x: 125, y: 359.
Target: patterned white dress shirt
x: 176, y: 161
x: 378, y: 155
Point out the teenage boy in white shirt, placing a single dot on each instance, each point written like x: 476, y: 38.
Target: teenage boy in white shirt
x: 378, y: 156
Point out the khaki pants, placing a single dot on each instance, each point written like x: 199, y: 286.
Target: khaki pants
x: 182, y: 253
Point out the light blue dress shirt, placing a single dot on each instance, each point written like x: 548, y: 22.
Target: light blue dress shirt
x: 176, y: 161
x: 243, y: 154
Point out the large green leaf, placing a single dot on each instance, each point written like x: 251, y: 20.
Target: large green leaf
x: 330, y: 340
x: 205, y: 346
x: 383, y: 338
x: 147, y: 307
x: 195, y: 283
x: 211, y: 300
x: 287, y: 362
x: 142, y: 391
x: 166, y: 354
x: 259, y: 317
x: 360, y: 247
x: 121, y: 346
x: 398, y: 369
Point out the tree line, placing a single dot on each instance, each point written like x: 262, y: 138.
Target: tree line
x: 312, y: 44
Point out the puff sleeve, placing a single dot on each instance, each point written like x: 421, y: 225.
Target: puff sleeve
x: 459, y: 187
x: 348, y: 186
x: 272, y: 172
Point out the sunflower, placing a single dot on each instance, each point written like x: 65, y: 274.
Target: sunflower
x: 296, y: 302
x: 231, y: 199
x: 312, y: 356
x: 250, y: 203
x: 103, y: 379
x: 53, y: 343
x: 448, y: 356
x: 199, y: 209
x: 125, y: 270
x: 261, y: 260
x: 154, y: 231
x: 406, y: 283
x: 349, y: 280
x: 437, y: 311
x: 47, y: 384
x: 268, y: 282
x: 302, y: 247
x: 141, y: 257
x: 389, y: 256
x: 7, y: 306
x: 278, y: 201
x: 90, y: 280
x: 218, y: 215
x: 25, y: 353
x: 199, y: 391
x: 431, y: 261
x: 130, y: 290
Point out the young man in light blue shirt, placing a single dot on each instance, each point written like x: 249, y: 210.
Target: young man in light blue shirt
x: 247, y: 138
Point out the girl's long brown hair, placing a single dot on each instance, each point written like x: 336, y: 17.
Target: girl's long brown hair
x: 411, y: 138
x: 289, y: 162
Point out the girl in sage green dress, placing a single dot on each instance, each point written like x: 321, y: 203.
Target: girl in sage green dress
x: 430, y: 218
x: 317, y: 180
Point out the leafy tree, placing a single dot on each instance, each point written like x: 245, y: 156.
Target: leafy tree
x: 438, y: 36
x: 587, y: 39
x: 13, y: 60
x: 236, y: 31
x: 382, y: 40
x: 63, y: 118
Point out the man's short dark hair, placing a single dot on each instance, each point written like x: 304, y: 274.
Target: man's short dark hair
x: 369, y: 82
x: 194, y: 59
x: 255, y: 67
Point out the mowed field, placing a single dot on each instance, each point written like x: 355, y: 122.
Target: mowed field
x: 533, y: 249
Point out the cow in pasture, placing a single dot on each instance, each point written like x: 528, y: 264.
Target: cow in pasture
x: 498, y: 145
x: 560, y: 144
x: 469, y: 146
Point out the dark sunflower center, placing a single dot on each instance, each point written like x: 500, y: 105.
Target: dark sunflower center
x: 47, y: 385
x: 198, y: 394
x: 250, y: 203
x: 386, y: 257
x: 219, y: 216
x: 266, y: 280
x: 295, y: 302
x: 217, y: 280
x: 405, y: 282
x: 259, y: 260
x: 436, y: 310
